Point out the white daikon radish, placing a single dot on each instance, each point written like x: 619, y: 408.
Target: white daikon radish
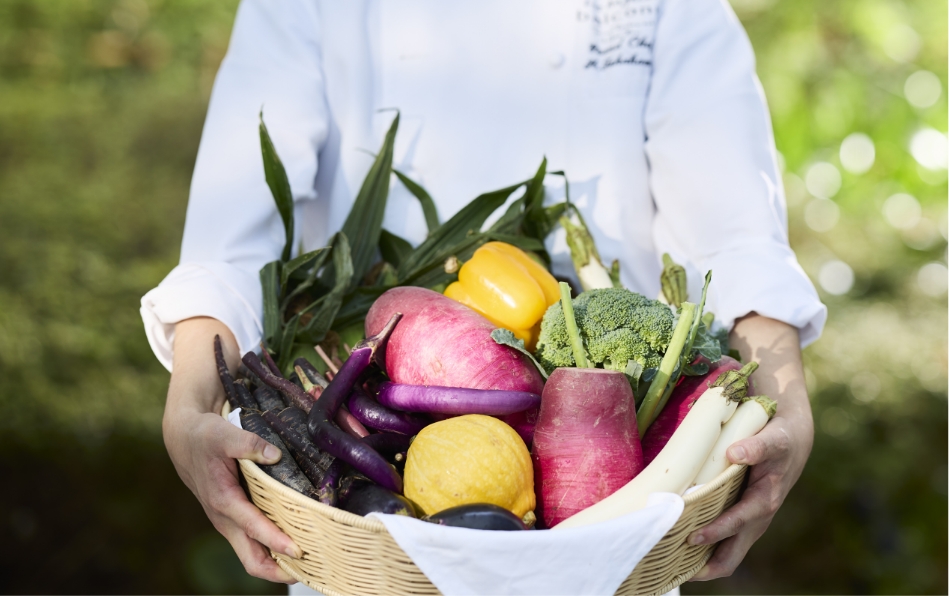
x: 750, y: 417
x: 680, y: 460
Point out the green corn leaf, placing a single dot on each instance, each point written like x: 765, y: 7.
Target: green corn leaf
x: 315, y: 268
x: 424, y: 199
x: 365, y: 219
x: 279, y: 185
x: 269, y: 281
x: 328, y: 305
x: 303, y: 263
x: 467, y: 221
x: 510, y: 222
x: 394, y: 249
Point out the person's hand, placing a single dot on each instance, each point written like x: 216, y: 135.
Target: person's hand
x: 204, y: 447
x: 776, y: 455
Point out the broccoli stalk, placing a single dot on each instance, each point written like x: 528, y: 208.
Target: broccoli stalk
x: 576, y: 343
x: 648, y: 410
x: 673, y: 280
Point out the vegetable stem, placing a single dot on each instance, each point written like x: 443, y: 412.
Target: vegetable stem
x: 649, y: 409
x: 576, y: 343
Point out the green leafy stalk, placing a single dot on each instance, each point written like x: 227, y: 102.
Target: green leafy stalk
x: 579, y: 355
x: 673, y: 282
x: 270, y: 282
x: 425, y: 200
x: 648, y: 410
x: 279, y: 185
x: 365, y: 219
x: 685, y: 357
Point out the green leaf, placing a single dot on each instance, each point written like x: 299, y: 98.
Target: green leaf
x: 304, y: 262
x: 467, y: 221
x: 506, y: 337
x: 534, y: 202
x: 269, y: 276
x: 279, y: 185
x: 424, y: 199
x: 286, y: 343
x: 394, y: 249
x: 315, y: 269
x: 364, y: 223
x: 328, y: 305
x: 356, y: 305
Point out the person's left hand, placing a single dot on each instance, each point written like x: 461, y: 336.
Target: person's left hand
x: 776, y: 455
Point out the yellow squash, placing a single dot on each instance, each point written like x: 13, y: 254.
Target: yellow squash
x: 508, y: 287
x: 469, y: 459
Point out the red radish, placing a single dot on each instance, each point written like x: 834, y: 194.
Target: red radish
x: 586, y: 444
x: 445, y: 343
x: 680, y: 402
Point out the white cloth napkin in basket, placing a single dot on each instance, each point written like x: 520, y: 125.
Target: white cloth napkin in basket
x: 588, y: 560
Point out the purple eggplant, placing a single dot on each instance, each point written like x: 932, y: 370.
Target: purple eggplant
x: 334, y: 441
x: 388, y: 443
x: 326, y: 489
x: 375, y: 499
x: 375, y: 415
x: 455, y: 401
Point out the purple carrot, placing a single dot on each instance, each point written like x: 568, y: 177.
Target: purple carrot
x: 295, y: 395
x: 375, y: 415
x: 226, y: 380
x: 454, y: 400
x: 285, y: 470
x: 326, y: 489
x: 310, y: 372
x: 268, y: 360
x: 268, y: 399
x: 334, y: 441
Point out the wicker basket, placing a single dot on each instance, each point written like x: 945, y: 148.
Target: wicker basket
x: 345, y: 553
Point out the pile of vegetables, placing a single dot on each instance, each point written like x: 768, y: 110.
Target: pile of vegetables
x: 459, y: 382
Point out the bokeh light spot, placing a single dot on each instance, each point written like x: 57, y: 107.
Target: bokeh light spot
x: 933, y: 279
x: 902, y: 43
x: 902, y: 211
x: 836, y: 277
x: 928, y: 148
x: 922, y: 89
x: 857, y: 153
x: 865, y: 386
x: 821, y: 215
x: 822, y: 180
x: 922, y: 236
x: 835, y: 422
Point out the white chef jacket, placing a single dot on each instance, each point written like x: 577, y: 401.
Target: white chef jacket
x: 652, y: 107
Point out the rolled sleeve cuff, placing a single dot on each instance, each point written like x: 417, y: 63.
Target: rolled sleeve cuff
x: 217, y: 290
x: 767, y: 279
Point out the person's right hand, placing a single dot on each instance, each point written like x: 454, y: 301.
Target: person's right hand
x: 204, y: 448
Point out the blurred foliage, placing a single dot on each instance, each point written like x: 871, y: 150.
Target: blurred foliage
x: 101, y: 106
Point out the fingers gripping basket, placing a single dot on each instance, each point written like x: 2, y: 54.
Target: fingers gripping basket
x: 349, y: 554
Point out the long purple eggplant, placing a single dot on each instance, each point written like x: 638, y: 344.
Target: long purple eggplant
x: 326, y: 489
x: 375, y: 415
x: 388, y: 442
x: 334, y: 441
x: 454, y: 400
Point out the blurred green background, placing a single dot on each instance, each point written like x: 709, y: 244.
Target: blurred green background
x: 101, y: 107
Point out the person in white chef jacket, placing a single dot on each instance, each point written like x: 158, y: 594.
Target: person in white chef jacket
x: 653, y: 109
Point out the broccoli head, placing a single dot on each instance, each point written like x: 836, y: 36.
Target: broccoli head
x: 616, y: 326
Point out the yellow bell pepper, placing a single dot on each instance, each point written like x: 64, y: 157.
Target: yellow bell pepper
x: 508, y: 287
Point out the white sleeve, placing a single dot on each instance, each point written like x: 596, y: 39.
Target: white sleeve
x: 713, y: 174
x: 232, y: 227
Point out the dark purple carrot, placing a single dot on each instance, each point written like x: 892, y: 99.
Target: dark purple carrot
x: 268, y: 360
x: 330, y: 438
x: 294, y: 439
x: 327, y: 488
x: 375, y: 415
x: 455, y: 400
x: 244, y: 372
x: 225, y: 375
x: 296, y: 419
x: 269, y: 399
x: 310, y: 372
x: 244, y: 396
x: 294, y: 395
x: 284, y: 471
